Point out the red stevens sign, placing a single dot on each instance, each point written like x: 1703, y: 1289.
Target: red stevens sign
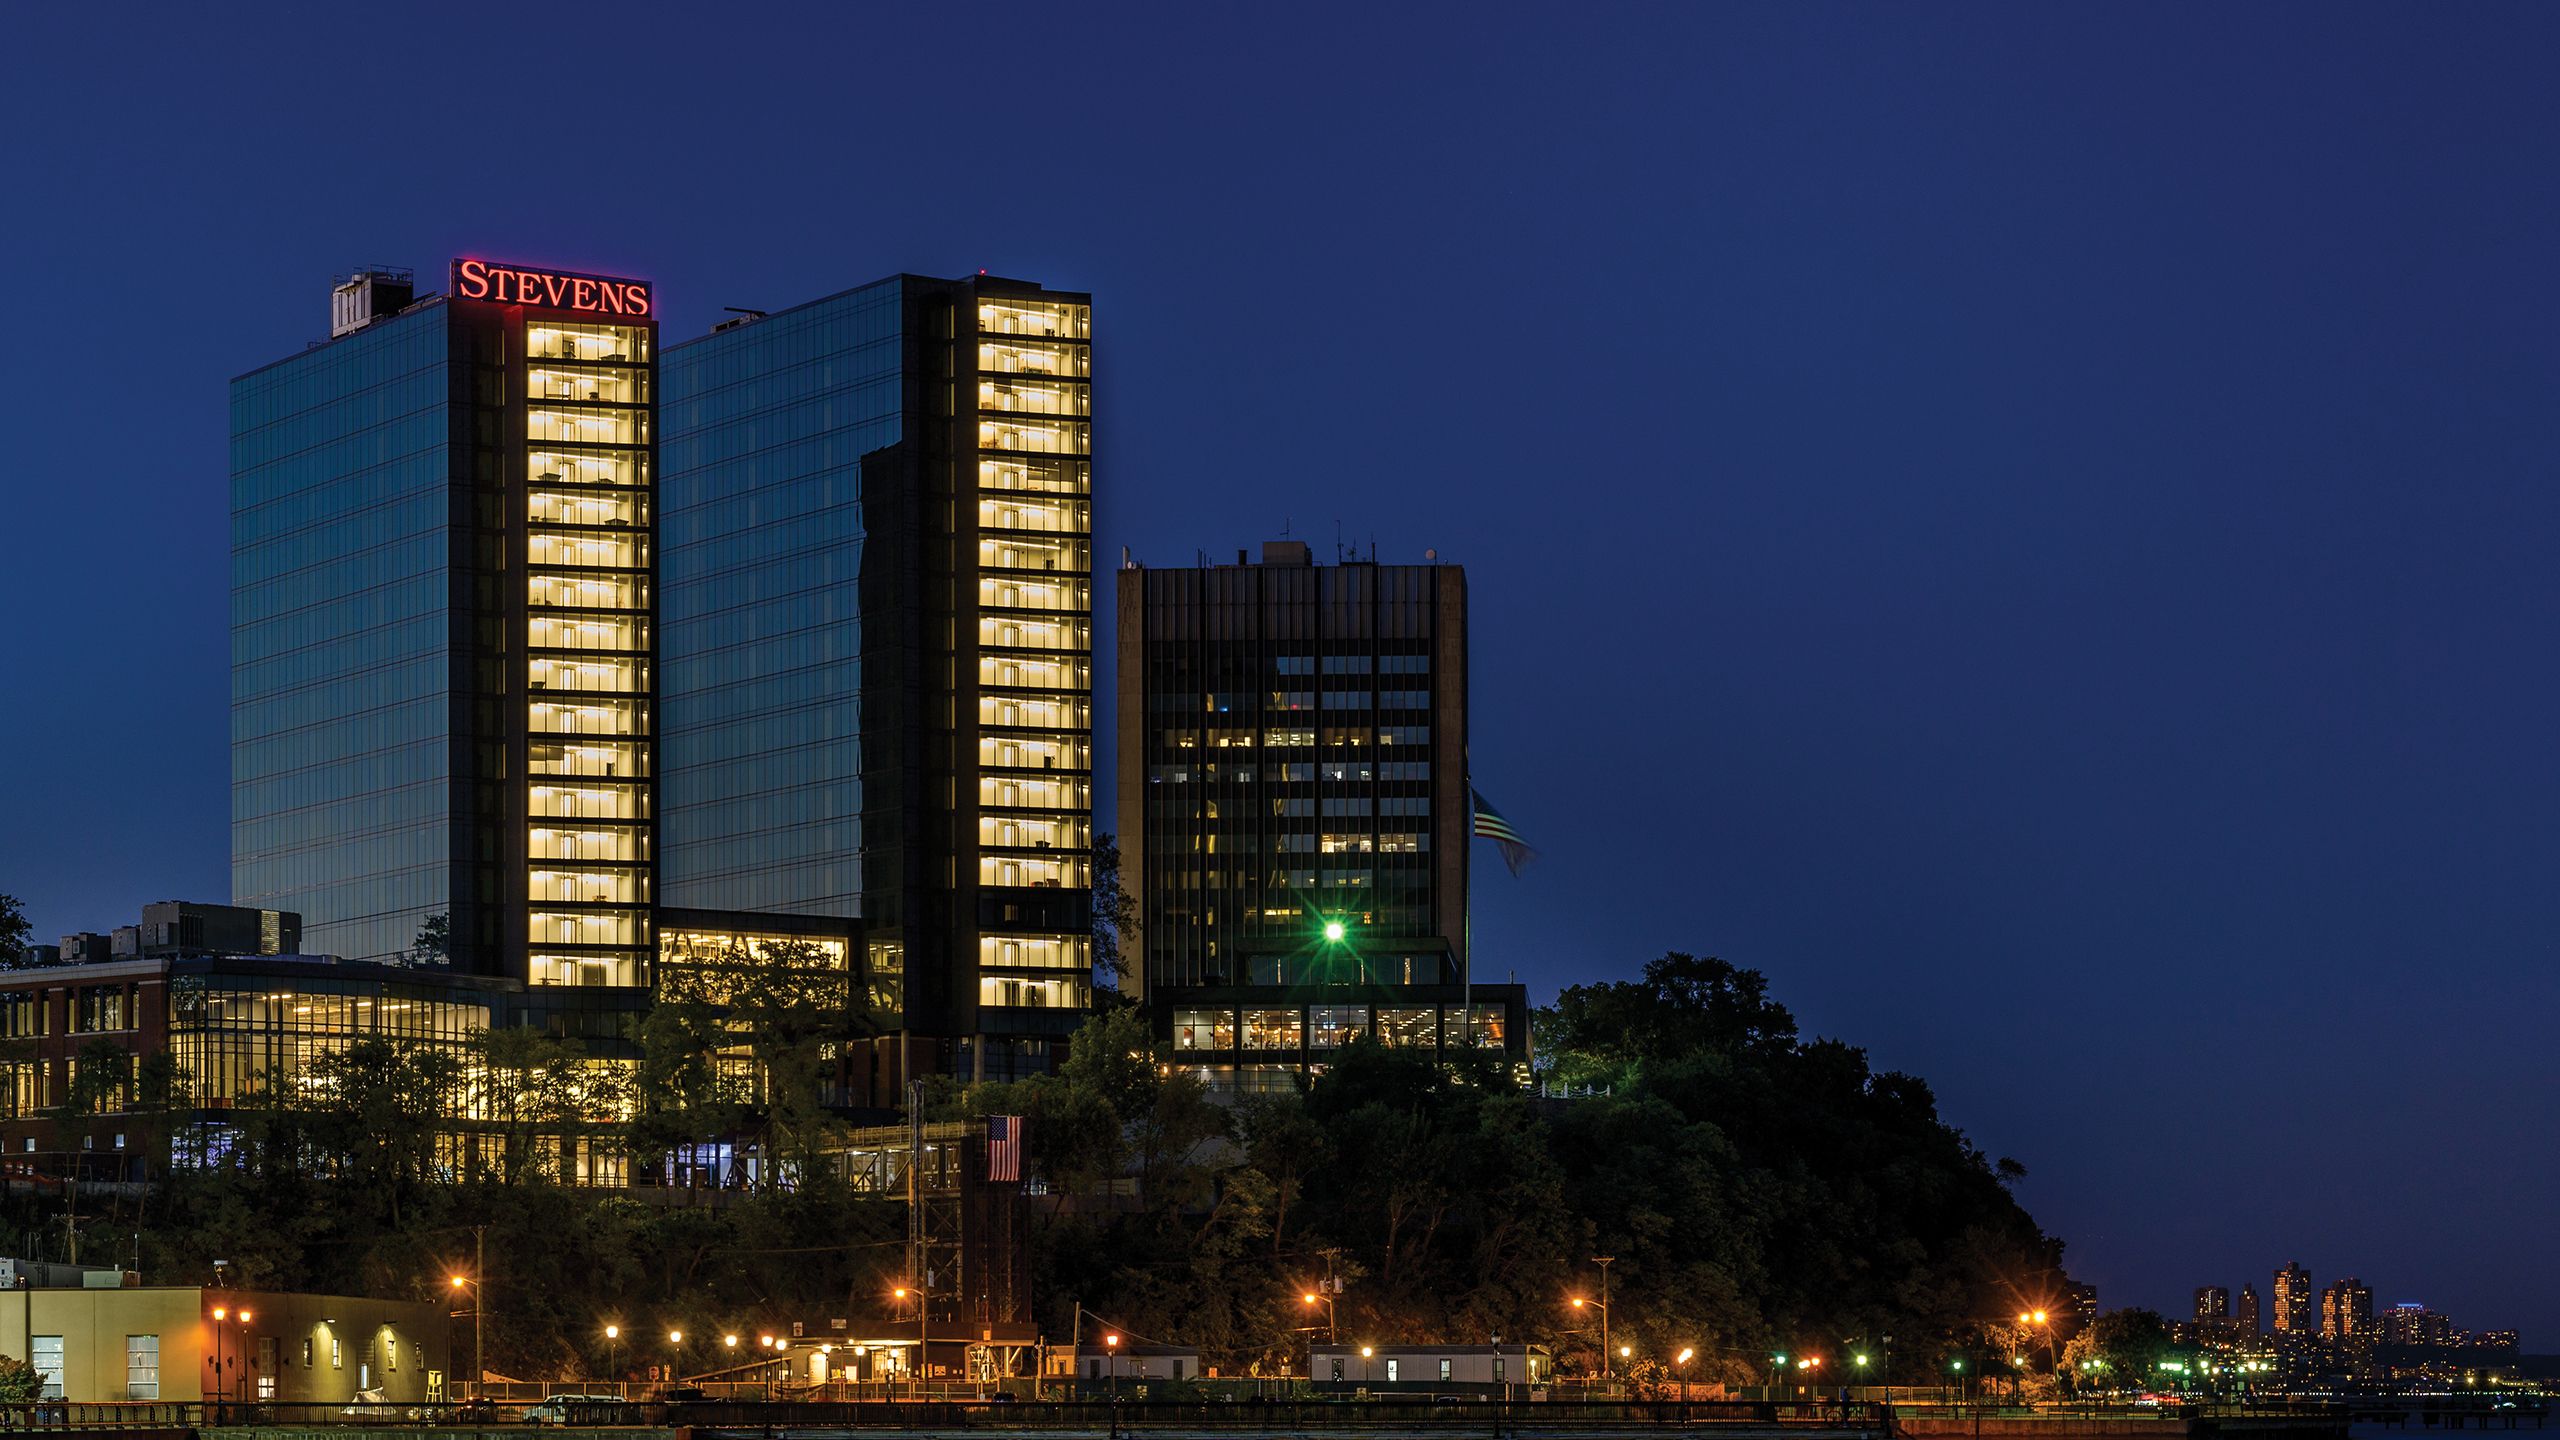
x: 551, y: 289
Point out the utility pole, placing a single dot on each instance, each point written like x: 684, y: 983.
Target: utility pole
x: 479, y: 1306
x: 1606, y: 1354
x: 919, y: 1255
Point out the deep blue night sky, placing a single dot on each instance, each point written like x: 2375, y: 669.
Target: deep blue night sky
x: 2030, y: 525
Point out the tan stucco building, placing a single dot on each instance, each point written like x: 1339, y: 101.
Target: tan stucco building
x: 170, y: 1342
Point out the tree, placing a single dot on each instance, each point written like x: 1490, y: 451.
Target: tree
x: 2118, y: 1349
x: 434, y: 943
x: 16, y: 935
x: 20, y: 1383
x: 536, y: 1090
x: 748, y: 1035
x: 1115, y: 917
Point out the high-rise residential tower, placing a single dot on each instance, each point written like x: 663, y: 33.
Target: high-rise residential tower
x: 2346, y: 1310
x: 2244, y: 1315
x: 1295, y: 811
x: 443, y: 706
x: 2295, y: 1311
x: 2213, y: 1307
x: 877, y: 638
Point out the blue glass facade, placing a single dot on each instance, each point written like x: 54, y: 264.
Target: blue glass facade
x: 876, y: 644
x: 342, y: 645
x: 442, y: 683
x: 767, y: 426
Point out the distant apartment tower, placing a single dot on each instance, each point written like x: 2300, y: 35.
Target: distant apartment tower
x: 2084, y: 1302
x: 2213, y: 1307
x: 2411, y: 1323
x: 2244, y: 1316
x: 2346, y: 1310
x: 442, y: 700
x: 1295, y: 814
x: 877, y: 642
x: 2295, y: 1312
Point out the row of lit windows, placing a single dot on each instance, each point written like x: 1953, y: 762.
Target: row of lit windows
x: 1246, y: 773
x: 1020, y: 632
x: 1351, y: 664
x: 1067, y: 597
x: 1017, y: 712
x: 1006, y: 792
x: 1034, y: 397
x: 1031, y: 752
x: 610, y: 937
x: 1015, y: 552
x: 1037, y: 474
x: 1325, y: 1027
x: 1016, y: 672
x: 1054, y: 319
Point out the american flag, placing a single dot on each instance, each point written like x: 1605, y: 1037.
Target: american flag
x: 1491, y: 825
x: 1004, y: 1147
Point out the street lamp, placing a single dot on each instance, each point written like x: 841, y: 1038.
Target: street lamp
x: 1579, y: 1303
x: 458, y: 1284
x: 1111, y: 1363
x: 613, y: 1351
x: 1313, y: 1297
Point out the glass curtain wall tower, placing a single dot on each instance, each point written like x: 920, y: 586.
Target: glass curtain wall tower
x: 878, y: 649
x: 442, y: 695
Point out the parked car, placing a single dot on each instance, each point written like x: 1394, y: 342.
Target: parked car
x: 659, y: 1408
x: 371, y: 1408
x: 581, y: 1410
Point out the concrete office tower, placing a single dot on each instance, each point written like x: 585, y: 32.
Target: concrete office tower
x: 1295, y: 811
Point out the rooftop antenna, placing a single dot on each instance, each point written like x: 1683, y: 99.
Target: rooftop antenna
x: 1337, y: 539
